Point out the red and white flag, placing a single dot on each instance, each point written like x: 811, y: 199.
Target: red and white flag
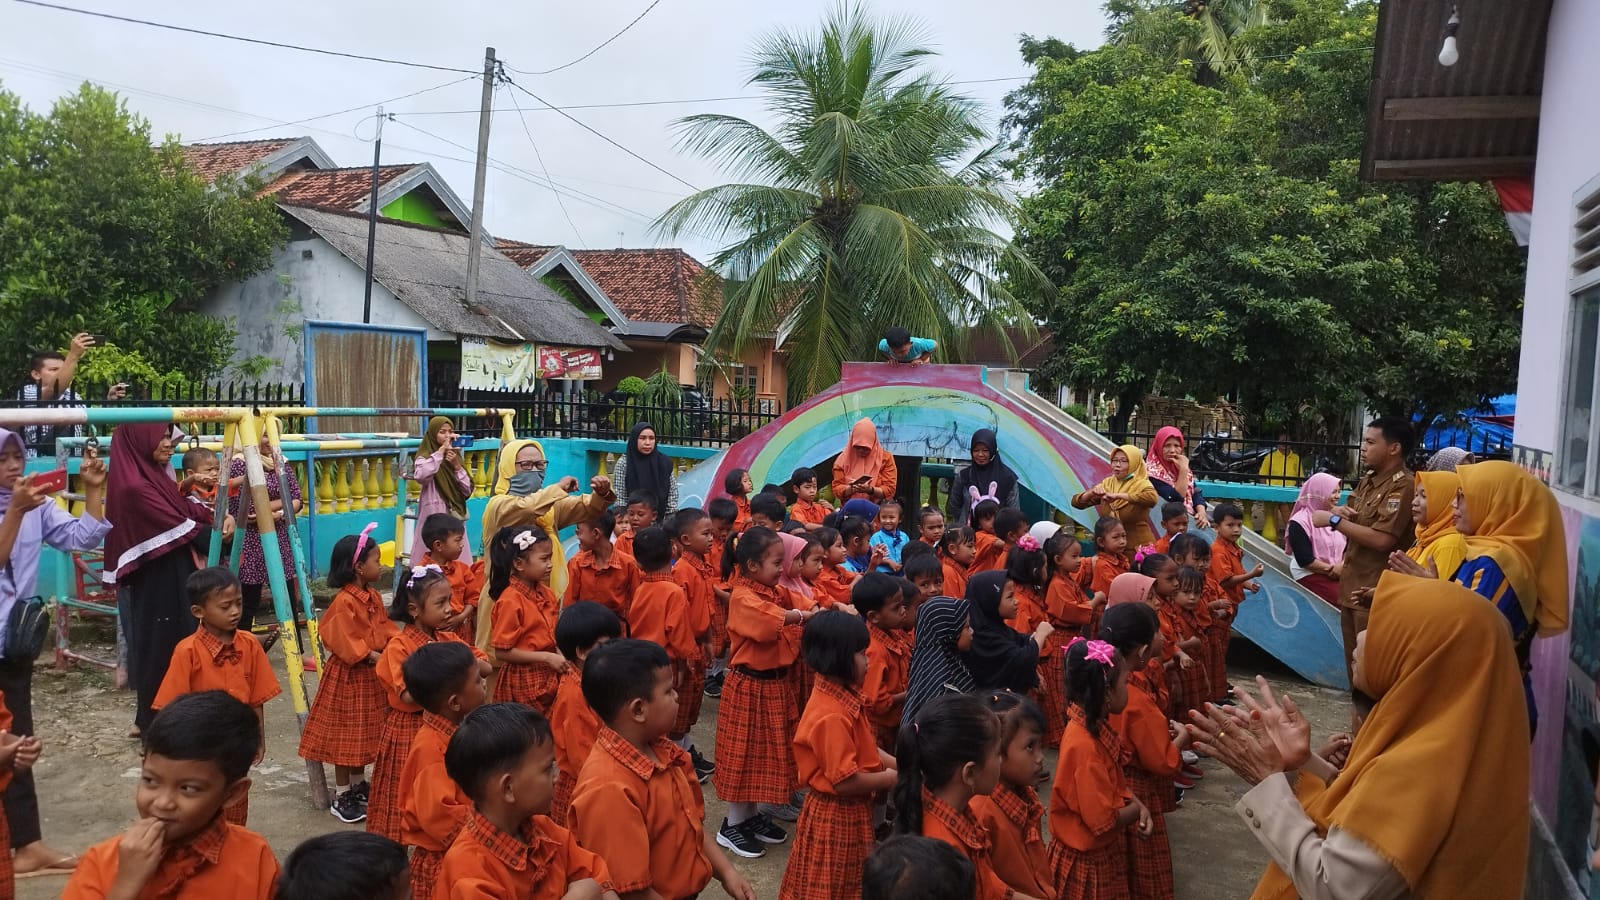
x: 1516, y: 198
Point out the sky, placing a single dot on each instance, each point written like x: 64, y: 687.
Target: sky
x: 200, y: 88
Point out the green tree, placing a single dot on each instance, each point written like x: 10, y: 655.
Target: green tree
x: 871, y: 202
x: 1216, y: 240
x: 100, y: 231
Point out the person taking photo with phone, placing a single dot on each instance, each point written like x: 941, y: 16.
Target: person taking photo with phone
x: 29, y: 519
x: 442, y: 479
x: 864, y: 469
x: 50, y: 375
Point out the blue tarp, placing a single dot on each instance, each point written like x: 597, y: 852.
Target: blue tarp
x: 1483, y: 431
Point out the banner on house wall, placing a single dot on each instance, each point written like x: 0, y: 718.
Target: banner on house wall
x: 569, y: 364
x: 491, y: 366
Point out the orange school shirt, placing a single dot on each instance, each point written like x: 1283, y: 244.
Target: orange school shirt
x: 201, y: 662
x: 539, y: 863
x: 1227, y: 561
x: 1142, y: 725
x: 757, y: 635
x: 466, y: 582
x: 524, y: 618
x: 1030, y: 608
x: 991, y: 554
x: 573, y: 722
x: 623, y: 543
x: 660, y: 613
x: 1065, y: 604
x: 741, y: 521
x: 888, y: 673
x: 833, y: 586
x: 398, y: 650
x: 355, y: 625
x: 811, y: 512
x: 644, y: 815
x: 955, y: 577
x: 221, y: 860
x: 1090, y: 788
x: 1013, y: 818
x: 962, y: 830
x: 834, y: 739
x: 611, y: 583
x: 697, y: 591
x: 432, y: 807
x: 1107, y: 566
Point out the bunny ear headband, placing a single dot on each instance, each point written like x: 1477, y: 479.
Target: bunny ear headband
x: 420, y: 572
x: 361, y: 542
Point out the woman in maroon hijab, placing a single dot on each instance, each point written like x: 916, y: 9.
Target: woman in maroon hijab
x: 157, y: 540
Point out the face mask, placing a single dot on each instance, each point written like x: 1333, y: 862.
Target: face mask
x: 525, y: 483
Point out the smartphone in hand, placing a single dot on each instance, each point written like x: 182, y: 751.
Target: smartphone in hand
x: 50, y: 482
x: 461, y: 441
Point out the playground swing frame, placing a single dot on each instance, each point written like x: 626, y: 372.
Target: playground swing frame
x: 243, y: 430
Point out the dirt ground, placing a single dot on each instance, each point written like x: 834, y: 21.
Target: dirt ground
x: 87, y: 773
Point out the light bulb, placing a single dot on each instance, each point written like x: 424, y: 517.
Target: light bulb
x: 1448, y: 55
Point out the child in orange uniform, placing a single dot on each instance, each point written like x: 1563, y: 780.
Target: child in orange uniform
x: 957, y: 549
x: 582, y: 627
x: 523, y: 618
x: 346, y: 719
x: 197, y: 754
x: 930, y: 526
x: 217, y: 657
x: 1012, y: 812
x: 805, y: 507
x: 739, y: 487
x: 879, y: 598
x: 445, y: 536
x: 422, y: 605
x: 1070, y: 610
x: 637, y: 515
x: 840, y: 761
x: 950, y: 755
x: 599, y: 572
x: 991, y: 547
x: 502, y: 757
x: 17, y: 754
x: 834, y: 582
x: 1174, y: 521
x: 755, y: 731
x: 444, y: 679
x: 1190, y: 680
x: 1110, y: 560
x: 1091, y: 804
x: 924, y: 570
x: 1027, y: 574
x: 1215, y: 611
x: 345, y: 864
x: 660, y: 613
x: 723, y: 514
x: 1156, y: 753
x: 637, y: 803
x: 692, y: 535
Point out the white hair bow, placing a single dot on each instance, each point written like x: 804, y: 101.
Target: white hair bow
x: 419, y: 571
x: 525, y: 539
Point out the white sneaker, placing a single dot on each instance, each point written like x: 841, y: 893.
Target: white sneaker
x: 1190, y: 757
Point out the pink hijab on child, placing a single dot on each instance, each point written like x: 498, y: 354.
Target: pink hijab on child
x: 1130, y: 587
x: 793, y: 549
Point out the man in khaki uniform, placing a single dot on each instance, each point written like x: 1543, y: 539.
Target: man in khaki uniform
x: 1375, y: 520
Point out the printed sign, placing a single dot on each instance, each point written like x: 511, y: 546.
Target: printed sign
x: 488, y: 366
x: 569, y: 364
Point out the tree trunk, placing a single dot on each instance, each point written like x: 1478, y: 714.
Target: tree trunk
x: 1127, y: 399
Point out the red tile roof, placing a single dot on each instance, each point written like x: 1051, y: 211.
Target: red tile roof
x: 331, y: 188
x: 656, y: 285
x: 211, y: 161
x: 522, y: 254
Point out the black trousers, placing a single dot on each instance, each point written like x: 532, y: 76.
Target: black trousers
x: 254, y: 594
x: 20, y: 800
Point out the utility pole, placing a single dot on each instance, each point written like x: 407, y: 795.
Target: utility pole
x: 479, y: 176
x: 372, y: 220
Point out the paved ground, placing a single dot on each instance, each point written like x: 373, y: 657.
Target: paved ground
x: 86, y: 783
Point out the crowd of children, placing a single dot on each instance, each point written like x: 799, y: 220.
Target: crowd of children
x: 877, y: 688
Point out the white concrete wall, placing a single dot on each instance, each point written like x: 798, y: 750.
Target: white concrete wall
x: 1569, y: 155
x: 308, y: 279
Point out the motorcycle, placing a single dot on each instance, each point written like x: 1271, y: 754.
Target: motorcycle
x: 1213, y: 461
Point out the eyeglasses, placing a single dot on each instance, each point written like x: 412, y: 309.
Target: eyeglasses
x: 536, y: 465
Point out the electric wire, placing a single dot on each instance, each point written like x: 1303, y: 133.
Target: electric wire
x: 597, y: 48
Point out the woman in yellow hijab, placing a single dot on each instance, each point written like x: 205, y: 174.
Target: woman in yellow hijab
x: 1433, y: 800
x: 520, y: 497
x: 1439, y: 548
x: 1126, y: 494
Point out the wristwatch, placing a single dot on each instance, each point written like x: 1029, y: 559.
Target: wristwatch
x: 1333, y: 522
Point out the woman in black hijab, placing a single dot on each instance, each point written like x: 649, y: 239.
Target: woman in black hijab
x: 646, y: 468
x: 988, y: 475
x: 1000, y: 658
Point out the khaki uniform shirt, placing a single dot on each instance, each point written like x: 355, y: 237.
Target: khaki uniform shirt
x: 1383, y: 504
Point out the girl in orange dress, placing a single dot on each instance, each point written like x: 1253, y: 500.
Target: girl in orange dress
x: 957, y: 549
x: 1026, y: 573
x: 522, y: 621
x: 346, y: 719
x: 834, y: 582
x: 1188, y: 678
x: 930, y: 526
x: 1013, y: 813
x: 839, y: 759
x: 948, y: 754
x: 1092, y: 806
x: 1157, y: 753
x: 1070, y: 611
x: 1215, y: 612
x: 739, y: 487
x: 1110, y: 560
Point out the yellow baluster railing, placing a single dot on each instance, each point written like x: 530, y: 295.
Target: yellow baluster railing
x: 389, y: 487
x: 341, y: 485
x: 325, y: 488
x: 374, y: 484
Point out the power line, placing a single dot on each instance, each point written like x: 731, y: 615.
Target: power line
x: 235, y: 37
x: 339, y: 112
x: 617, y: 105
x: 540, y: 157
x: 598, y: 47
x: 581, y: 124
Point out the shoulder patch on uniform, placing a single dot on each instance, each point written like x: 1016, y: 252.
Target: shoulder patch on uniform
x: 1394, y: 504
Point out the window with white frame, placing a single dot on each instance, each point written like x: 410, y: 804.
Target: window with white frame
x: 1578, y: 452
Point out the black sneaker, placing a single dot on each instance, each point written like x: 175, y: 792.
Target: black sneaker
x: 713, y: 687
x: 361, y: 790
x: 1177, y: 799
x: 703, y: 767
x: 765, y: 830
x: 347, y: 809
x: 740, y: 840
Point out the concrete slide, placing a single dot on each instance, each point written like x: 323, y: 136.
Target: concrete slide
x: 932, y: 411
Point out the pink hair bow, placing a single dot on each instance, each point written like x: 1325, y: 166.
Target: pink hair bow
x: 1028, y: 542
x: 361, y: 542
x: 1101, y: 652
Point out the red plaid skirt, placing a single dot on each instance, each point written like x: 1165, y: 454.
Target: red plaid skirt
x: 1150, y: 861
x: 1217, y: 659
x: 1191, y: 687
x: 831, y: 843
x: 756, y: 721
x: 383, y: 804
x: 1155, y: 792
x: 1053, y: 687
x: 801, y: 678
x: 531, y: 684
x: 561, y: 799
x: 425, y: 865
x: 1100, y: 874
x: 719, y: 627
x: 8, y: 877
x: 347, y: 716
x: 691, y: 693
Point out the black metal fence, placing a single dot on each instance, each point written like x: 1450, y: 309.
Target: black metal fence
x: 694, y: 421
x: 1223, y: 457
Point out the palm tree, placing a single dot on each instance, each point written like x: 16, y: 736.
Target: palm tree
x: 1220, y: 22
x: 871, y: 202
x: 1208, y: 38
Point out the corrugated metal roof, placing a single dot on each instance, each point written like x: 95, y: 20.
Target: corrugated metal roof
x: 427, y: 269
x: 1474, y: 120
